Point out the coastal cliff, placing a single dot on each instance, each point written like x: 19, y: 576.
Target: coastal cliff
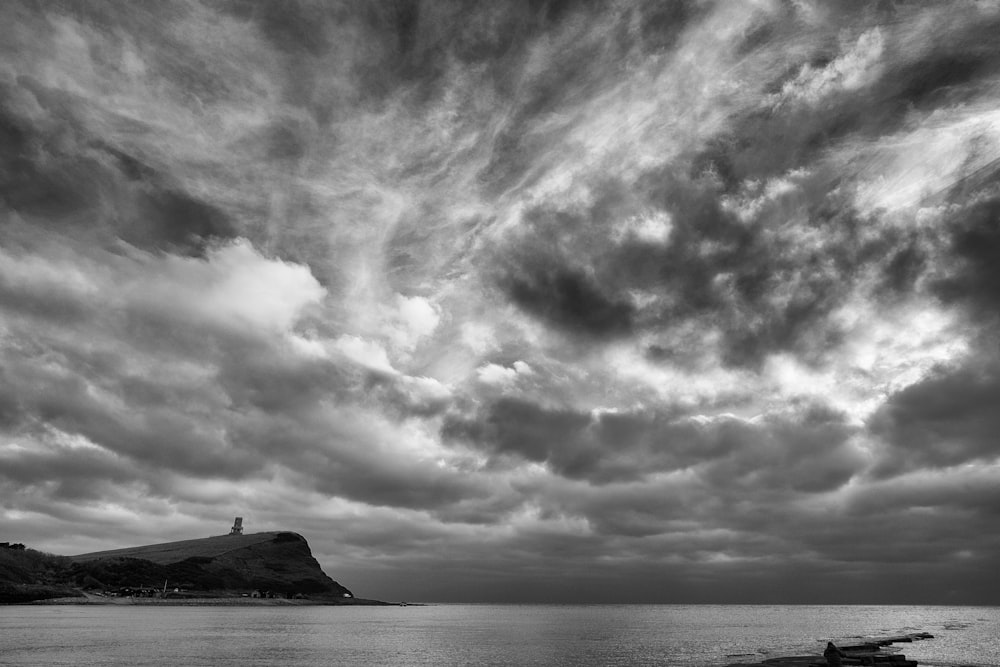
x: 271, y: 564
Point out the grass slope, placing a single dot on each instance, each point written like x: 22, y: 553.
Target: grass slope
x: 27, y: 575
x: 175, y: 552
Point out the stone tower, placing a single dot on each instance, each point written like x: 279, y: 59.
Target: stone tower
x: 237, y: 526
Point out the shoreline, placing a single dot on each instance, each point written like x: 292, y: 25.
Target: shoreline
x: 224, y: 601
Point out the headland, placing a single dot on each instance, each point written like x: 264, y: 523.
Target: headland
x: 270, y: 568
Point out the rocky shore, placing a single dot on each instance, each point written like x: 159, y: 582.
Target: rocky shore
x: 873, y: 651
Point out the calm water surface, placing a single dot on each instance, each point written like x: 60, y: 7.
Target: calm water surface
x: 681, y: 635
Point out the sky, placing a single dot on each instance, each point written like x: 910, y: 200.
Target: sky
x: 526, y: 301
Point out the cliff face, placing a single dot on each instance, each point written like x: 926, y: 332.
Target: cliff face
x: 280, y: 562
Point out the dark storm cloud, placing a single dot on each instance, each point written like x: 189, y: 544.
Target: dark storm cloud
x: 948, y: 419
x: 71, y: 474
x: 166, y: 219
x: 345, y: 457
x: 714, y: 269
x: 975, y: 241
x: 38, y: 176
x: 549, y: 271
x: 55, y: 172
x: 151, y: 433
x: 806, y: 449
x: 906, y: 263
x: 569, y: 299
x: 292, y: 27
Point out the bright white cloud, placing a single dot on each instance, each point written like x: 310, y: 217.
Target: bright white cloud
x: 652, y: 228
x: 365, y: 352
x: 503, y: 376
x: 478, y: 336
x: 413, y: 319
x: 855, y: 68
x: 234, y: 286
x: 921, y: 163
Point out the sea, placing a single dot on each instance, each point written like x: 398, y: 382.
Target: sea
x: 480, y: 634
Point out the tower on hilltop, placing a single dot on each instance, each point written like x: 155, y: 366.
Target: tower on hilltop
x: 237, y: 526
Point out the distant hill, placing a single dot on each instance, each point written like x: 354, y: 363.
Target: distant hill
x: 278, y: 562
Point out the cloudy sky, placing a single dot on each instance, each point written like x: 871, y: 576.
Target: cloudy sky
x: 603, y: 301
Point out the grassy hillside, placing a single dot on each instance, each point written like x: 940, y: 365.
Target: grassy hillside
x: 26, y: 574
x: 175, y: 552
